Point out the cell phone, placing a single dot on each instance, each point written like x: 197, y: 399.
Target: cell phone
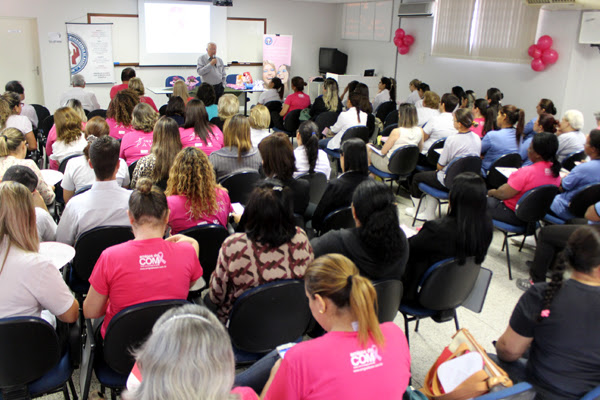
x: 282, y: 349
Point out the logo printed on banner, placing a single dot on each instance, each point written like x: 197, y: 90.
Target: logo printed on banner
x: 363, y: 360
x: 79, y: 53
x: 268, y: 41
x: 152, y: 261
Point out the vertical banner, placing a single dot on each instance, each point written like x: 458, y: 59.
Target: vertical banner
x: 277, y: 57
x: 90, y: 52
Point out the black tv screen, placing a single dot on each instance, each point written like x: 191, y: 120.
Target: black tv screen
x: 332, y: 60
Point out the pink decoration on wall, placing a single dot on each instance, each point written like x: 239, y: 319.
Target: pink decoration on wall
x: 403, y: 41
x: 542, y: 53
x: 549, y: 56
x: 403, y: 49
x: 408, y: 40
x: 544, y: 42
x: 400, y: 33
x: 534, y: 51
x: 537, y: 65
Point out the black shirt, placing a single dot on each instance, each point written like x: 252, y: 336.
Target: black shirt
x: 319, y: 107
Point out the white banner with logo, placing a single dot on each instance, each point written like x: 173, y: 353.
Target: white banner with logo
x: 90, y: 52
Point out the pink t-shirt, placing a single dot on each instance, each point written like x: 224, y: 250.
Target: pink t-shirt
x: 297, y: 101
x: 336, y: 366
x: 477, y: 127
x: 135, y: 145
x: 530, y: 177
x: 117, y: 88
x: 139, y: 271
x: 149, y: 101
x: 214, y: 142
x: 180, y: 220
x: 53, y: 164
x: 118, y: 130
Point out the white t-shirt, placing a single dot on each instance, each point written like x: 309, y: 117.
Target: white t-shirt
x: 458, y: 145
x: 256, y: 135
x: 269, y: 95
x: 346, y: 119
x: 302, y: 166
x: 88, y: 99
x: 61, y: 150
x: 569, y: 142
x: 437, y: 128
x: 413, y: 97
x: 46, y: 226
x: 30, y: 283
x: 381, y: 98
x: 20, y: 122
x: 79, y: 174
x: 425, y: 114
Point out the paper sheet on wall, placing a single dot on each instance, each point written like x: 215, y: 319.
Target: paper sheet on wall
x: 90, y: 52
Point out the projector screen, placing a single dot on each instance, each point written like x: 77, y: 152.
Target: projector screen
x: 175, y: 32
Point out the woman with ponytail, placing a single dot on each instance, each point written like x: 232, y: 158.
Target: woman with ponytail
x: 357, y: 358
x: 387, y: 92
x: 507, y: 139
x: 353, y: 116
x: 545, y: 106
x: 557, y: 322
x: 309, y: 158
x: 543, y: 123
x: 481, y: 124
x: 544, y: 171
x: 377, y: 245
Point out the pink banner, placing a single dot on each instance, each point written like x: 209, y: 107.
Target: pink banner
x: 277, y: 57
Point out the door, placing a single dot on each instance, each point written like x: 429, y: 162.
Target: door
x: 19, y: 44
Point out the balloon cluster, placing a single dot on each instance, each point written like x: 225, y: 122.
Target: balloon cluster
x: 543, y: 54
x: 403, y: 41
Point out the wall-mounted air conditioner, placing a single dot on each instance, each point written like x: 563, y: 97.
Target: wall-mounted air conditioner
x: 566, y: 4
x: 589, y: 32
x: 416, y: 9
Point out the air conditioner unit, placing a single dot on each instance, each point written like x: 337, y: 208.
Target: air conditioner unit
x: 416, y: 9
x: 566, y: 4
x: 590, y: 28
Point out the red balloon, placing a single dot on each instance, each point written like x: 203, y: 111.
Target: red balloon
x: 403, y: 49
x: 537, y: 65
x: 534, y: 51
x: 400, y: 33
x: 549, y: 56
x: 408, y: 40
x: 397, y: 41
x: 544, y: 42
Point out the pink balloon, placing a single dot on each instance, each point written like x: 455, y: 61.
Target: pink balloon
x: 544, y: 42
x: 403, y: 49
x: 400, y: 33
x: 398, y: 41
x: 549, y: 56
x: 408, y: 40
x: 534, y: 51
x: 537, y: 65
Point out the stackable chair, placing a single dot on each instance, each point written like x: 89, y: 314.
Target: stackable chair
x: 240, y: 184
x: 338, y: 219
x: 570, y: 160
x: 401, y: 164
x: 432, y: 156
x: 389, y: 294
x: 588, y: 195
x: 494, y: 178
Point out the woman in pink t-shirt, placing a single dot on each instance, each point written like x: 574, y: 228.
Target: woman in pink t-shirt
x: 138, y: 143
x: 194, y: 197
x: 197, y: 131
x: 544, y: 171
x: 119, y: 113
x: 297, y: 100
x: 137, y: 86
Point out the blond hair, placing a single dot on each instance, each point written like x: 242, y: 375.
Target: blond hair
x: 10, y: 140
x: 68, y: 125
x: 180, y: 89
x: 5, y: 112
x: 335, y: 277
x: 236, y: 133
x: 143, y: 118
x: 431, y: 100
x: 137, y: 86
x: 260, y: 118
x: 228, y: 106
x: 78, y: 108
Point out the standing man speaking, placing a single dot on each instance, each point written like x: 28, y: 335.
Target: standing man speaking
x: 212, y: 70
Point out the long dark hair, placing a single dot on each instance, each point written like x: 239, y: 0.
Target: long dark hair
x: 355, y: 156
x: 514, y: 116
x: 278, y: 86
x: 365, y: 104
x: 390, y: 84
x: 308, y: 134
x: 196, y: 117
x: 356, y: 101
x: 548, y: 122
x: 375, y: 207
x: 548, y: 106
x: 546, y: 145
x: 468, y: 205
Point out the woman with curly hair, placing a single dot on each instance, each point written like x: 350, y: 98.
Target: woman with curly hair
x: 193, y: 196
x: 137, y: 143
x: 52, y: 136
x: 120, y: 113
x: 69, y: 138
x: 166, y: 143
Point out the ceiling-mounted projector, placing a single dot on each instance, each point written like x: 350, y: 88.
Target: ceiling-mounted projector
x: 223, y: 3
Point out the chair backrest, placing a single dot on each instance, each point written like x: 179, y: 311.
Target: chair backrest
x: 587, y: 196
x: 535, y: 203
x: 131, y: 167
x: 129, y: 329
x: 392, y: 118
x: 89, y: 245
x: 389, y: 294
x: 358, y: 131
x: 384, y: 109
x: 170, y: 81
x: 432, y: 155
x: 240, y: 184
x: 266, y: 316
x: 210, y: 237
x: 326, y: 120
x: 569, y: 161
x: 231, y: 79
x: 274, y: 106
x: 404, y: 160
x: 41, y: 112
x: 65, y: 161
x: 82, y: 189
x: 29, y: 348
x: 97, y: 113
x: 46, y: 125
x: 494, y: 178
x: 445, y: 285
x: 338, y: 219
x: 292, y: 122
x: 387, y: 131
x: 318, y: 184
x: 460, y: 165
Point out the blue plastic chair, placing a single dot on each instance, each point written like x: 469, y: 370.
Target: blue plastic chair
x: 357, y: 131
x: 585, y: 197
x: 432, y: 156
x: 401, y: 164
x: 170, y: 80
x: 518, y: 389
x: 231, y: 79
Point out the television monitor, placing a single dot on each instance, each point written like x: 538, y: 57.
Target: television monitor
x: 332, y: 60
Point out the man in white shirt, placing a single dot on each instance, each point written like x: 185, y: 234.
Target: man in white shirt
x: 27, y: 110
x: 87, y: 99
x: 106, y: 203
x: 440, y: 126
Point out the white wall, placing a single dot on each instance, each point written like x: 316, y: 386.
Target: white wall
x: 309, y: 23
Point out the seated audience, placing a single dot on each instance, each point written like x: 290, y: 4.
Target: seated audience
x: 120, y: 112
x: 297, y: 100
x: 18, y: 121
x: 353, y: 116
x: 29, y: 283
x: 506, y: 140
x: 309, y: 158
x: 76, y: 106
x: 544, y: 171
x: 328, y: 101
x: 206, y: 93
x: 88, y: 99
x: 377, y: 245
x: 148, y: 268
x: 480, y: 123
x: 167, y: 363
x: 339, y: 191
x: 272, y: 248
x: 176, y: 110
x: 421, y: 90
x: 350, y: 87
x: 79, y: 173
x: 342, y: 302
x: 105, y: 203
x: 544, y: 123
x: 413, y: 86
x: 442, y: 125
x: 430, y: 108
x: 459, y: 92
x: 13, y: 150
x: 555, y: 323
x: 229, y: 106
x: 260, y: 120
x: 193, y: 196
x: 126, y: 76
x: 70, y: 140
x: 166, y: 143
x: 197, y: 131
x: 136, y: 85
x: 465, y: 232
x: 137, y: 143
x: 545, y: 106
x: 237, y: 153
x: 407, y: 133
x: 27, y: 110
x: 387, y: 92
x: 180, y: 90
x: 274, y: 92
x: 570, y: 137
